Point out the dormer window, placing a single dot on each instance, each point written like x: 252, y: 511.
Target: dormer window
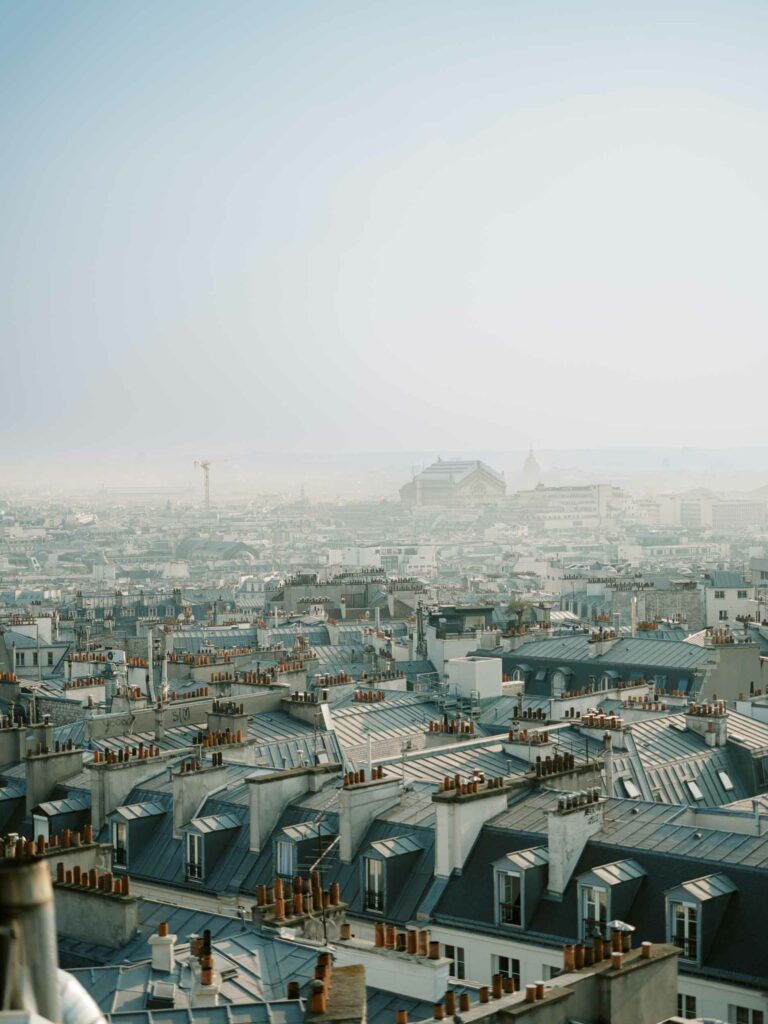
x: 691, y: 904
x: 510, y: 899
x: 684, y: 929
x: 194, y: 856
x: 519, y: 879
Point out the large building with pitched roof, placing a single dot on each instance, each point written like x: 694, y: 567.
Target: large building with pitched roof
x: 455, y: 482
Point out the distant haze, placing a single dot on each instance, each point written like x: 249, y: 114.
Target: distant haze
x: 240, y: 227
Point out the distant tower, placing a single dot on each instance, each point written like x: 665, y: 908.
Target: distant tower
x: 531, y: 472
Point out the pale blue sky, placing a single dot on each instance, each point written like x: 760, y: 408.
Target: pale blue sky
x: 390, y: 226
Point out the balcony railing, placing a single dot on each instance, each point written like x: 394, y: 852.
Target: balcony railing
x: 194, y: 871
x: 591, y: 924
x: 689, y: 946
x: 509, y: 913
x: 374, y: 900
x: 119, y: 856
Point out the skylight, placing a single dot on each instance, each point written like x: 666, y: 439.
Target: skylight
x: 725, y: 781
x: 693, y: 788
x: 630, y: 789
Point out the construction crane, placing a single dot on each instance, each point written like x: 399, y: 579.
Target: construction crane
x: 205, y: 465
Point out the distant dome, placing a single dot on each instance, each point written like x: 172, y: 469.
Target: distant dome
x: 531, y: 472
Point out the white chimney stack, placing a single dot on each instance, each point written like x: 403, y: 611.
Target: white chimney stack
x: 163, y: 950
x: 577, y: 818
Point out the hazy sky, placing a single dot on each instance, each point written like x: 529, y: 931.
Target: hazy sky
x: 396, y: 226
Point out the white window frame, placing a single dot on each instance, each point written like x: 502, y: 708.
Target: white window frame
x: 505, y: 906
x: 456, y: 955
x: 744, y: 1015
x: 684, y: 1007
x: 119, y: 844
x: 373, y: 885
x: 507, y: 966
x: 593, y: 898
x: 285, y: 857
x: 689, y: 910
x: 194, y: 854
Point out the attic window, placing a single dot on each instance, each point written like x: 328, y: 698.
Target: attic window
x: 694, y: 790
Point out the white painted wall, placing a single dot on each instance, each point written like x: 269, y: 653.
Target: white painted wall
x: 474, y: 674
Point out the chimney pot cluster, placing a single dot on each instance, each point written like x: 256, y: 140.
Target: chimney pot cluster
x: 413, y: 941
x: 554, y: 765
x: 92, y: 880
x: 195, y: 765
x: 477, y: 784
x: 707, y: 710
x: 16, y: 846
x: 296, y: 897
x: 529, y: 714
x: 58, y: 748
x: 369, y: 696
x: 643, y: 704
x: 357, y: 778
x: 325, y: 679
x: 601, y: 721
x: 126, y: 754
x: 573, y: 801
x: 220, y: 738
x: 305, y: 697
x: 501, y: 985
x: 455, y: 726
x: 533, y: 736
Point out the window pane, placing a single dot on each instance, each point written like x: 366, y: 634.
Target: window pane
x: 510, y: 902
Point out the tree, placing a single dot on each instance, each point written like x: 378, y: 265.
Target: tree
x: 518, y: 607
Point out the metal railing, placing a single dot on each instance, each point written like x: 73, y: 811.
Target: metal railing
x: 374, y: 900
x: 510, y: 913
x: 689, y: 946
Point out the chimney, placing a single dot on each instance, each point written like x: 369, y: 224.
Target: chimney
x: 114, y: 775
x: 271, y: 793
x: 601, y: 641
x: 462, y: 810
x: 312, y: 708
x: 415, y: 968
x: 709, y: 721
x: 577, y: 818
x: 227, y: 715
x: 163, y: 949
x: 12, y: 741
x: 41, y: 734
x: 191, y: 784
x: 360, y: 801
x: 206, y: 980
x: 95, y: 908
x: 47, y: 768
